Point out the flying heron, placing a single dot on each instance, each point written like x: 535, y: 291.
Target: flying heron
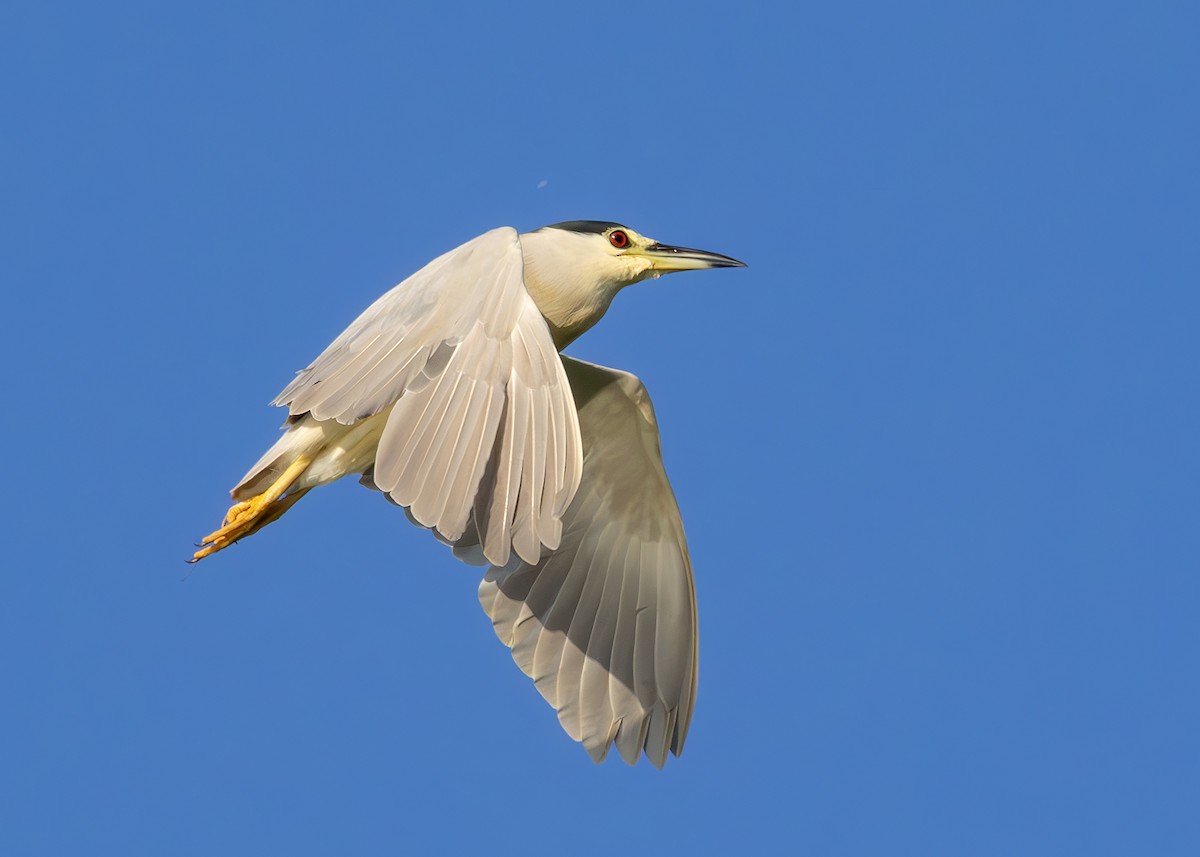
x: 449, y: 395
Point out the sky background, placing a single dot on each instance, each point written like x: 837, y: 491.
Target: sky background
x: 935, y: 448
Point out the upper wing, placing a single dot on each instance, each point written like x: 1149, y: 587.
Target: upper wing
x: 606, y: 625
x: 482, y: 425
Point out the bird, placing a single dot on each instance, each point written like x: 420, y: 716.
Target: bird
x: 450, y: 396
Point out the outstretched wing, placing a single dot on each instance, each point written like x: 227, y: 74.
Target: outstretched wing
x: 482, y: 426
x: 606, y: 624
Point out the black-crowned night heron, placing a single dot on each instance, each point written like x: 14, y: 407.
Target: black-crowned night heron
x: 448, y: 394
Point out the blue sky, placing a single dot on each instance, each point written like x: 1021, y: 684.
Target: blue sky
x: 935, y: 448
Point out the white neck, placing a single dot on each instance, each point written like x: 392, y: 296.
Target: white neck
x: 572, y: 282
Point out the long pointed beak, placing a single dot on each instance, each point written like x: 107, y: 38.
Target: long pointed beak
x: 665, y: 259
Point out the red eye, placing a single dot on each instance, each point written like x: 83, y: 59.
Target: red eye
x: 618, y: 239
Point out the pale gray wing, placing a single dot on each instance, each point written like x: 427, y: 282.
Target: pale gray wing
x: 606, y: 624
x: 482, y: 426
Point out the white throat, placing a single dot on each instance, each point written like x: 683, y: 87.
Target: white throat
x: 573, y: 280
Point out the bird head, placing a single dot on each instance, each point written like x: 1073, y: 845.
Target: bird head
x: 617, y: 254
x: 573, y: 269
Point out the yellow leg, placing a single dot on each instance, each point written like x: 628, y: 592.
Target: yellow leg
x: 276, y: 510
x: 250, y: 516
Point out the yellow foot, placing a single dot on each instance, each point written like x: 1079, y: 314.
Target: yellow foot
x: 237, y: 510
x: 236, y: 527
x: 249, y: 516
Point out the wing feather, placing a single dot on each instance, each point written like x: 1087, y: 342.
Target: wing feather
x: 500, y: 512
x: 598, y: 720
x: 631, y: 734
x: 606, y: 624
x: 576, y: 614
x: 451, y: 350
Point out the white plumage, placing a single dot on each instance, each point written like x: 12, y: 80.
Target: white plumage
x: 448, y: 394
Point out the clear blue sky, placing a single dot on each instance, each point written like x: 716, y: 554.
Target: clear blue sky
x: 936, y: 449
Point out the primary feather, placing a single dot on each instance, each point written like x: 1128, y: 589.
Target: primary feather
x: 606, y: 625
